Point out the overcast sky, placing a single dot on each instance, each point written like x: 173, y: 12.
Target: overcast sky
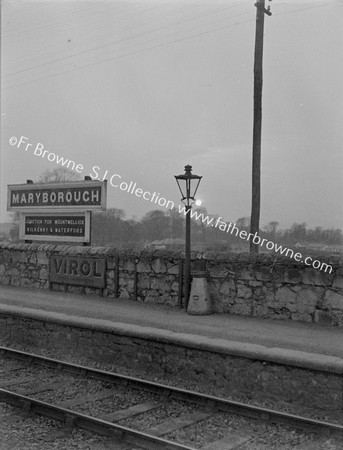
x: 142, y: 88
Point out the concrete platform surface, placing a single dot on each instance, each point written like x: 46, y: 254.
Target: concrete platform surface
x: 282, y: 336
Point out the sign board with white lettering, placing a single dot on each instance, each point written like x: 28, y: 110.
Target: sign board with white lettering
x: 77, y: 195
x: 78, y: 270
x: 60, y: 227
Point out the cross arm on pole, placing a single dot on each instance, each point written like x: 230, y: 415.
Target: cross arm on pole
x: 262, y: 8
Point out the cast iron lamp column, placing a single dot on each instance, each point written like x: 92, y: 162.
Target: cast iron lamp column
x: 188, y: 191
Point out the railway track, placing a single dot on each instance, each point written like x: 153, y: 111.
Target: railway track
x: 118, y: 405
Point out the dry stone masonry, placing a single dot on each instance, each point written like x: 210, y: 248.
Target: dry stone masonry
x: 239, y: 377
x: 255, y: 285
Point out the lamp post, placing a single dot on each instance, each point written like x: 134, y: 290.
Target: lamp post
x: 188, y: 191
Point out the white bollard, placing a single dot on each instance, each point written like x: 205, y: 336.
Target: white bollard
x: 200, y: 302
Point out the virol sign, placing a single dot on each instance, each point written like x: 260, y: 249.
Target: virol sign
x: 78, y: 270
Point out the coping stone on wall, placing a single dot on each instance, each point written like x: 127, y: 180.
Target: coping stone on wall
x: 282, y: 356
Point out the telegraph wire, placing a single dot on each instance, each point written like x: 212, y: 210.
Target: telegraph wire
x: 119, y: 21
x: 151, y: 48
x: 301, y: 9
x: 43, y: 26
x: 162, y: 2
x: 135, y: 52
x: 78, y: 35
x: 120, y: 41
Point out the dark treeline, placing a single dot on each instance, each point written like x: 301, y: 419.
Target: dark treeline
x: 111, y: 227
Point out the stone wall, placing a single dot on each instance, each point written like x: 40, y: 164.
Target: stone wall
x: 278, y: 288
x: 284, y: 385
x: 247, y: 284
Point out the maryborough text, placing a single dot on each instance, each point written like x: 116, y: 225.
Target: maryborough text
x: 81, y: 196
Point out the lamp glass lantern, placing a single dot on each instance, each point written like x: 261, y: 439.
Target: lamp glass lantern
x: 188, y: 184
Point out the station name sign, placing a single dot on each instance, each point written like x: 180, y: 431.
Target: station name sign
x: 77, y: 195
x: 65, y: 227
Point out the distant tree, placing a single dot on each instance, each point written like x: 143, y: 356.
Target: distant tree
x: 108, y: 227
x: 271, y: 228
x: 333, y: 236
x: 132, y: 231
x: 243, y: 222
x: 156, y: 225
x: 201, y: 228
x: 298, y: 232
x: 316, y: 235
x: 177, y: 224
x: 117, y: 213
x: 58, y: 175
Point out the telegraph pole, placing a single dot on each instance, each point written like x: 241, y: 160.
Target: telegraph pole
x: 257, y: 128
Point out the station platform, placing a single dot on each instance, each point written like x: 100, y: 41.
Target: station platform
x: 310, y: 346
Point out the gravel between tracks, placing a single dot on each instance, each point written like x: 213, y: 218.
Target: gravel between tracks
x: 20, y: 432
x: 186, y: 384
x: 260, y: 436
x: 171, y: 409
x: 266, y: 437
x: 119, y: 400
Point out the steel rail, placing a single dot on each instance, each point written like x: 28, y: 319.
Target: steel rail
x: 73, y: 418
x: 240, y: 408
